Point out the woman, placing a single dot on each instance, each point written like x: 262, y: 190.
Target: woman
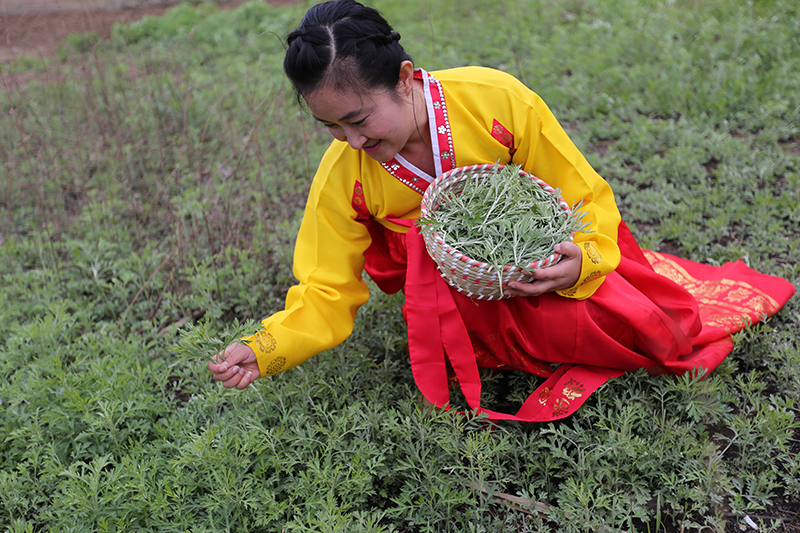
x: 607, y: 307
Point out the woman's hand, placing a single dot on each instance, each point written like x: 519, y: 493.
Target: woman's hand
x: 239, y: 368
x: 558, y: 277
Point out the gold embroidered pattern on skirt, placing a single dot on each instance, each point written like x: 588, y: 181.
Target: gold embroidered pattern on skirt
x: 544, y: 395
x: 560, y: 407
x: 723, y: 303
x: 573, y: 389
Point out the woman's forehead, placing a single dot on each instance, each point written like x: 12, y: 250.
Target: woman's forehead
x: 337, y: 105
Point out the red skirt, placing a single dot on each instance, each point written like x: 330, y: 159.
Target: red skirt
x: 655, y: 311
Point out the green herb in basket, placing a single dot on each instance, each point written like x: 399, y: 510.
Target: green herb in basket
x: 503, y: 218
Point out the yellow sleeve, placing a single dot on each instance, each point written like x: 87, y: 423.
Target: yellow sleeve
x: 477, y: 97
x: 552, y: 156
x: 328, y: 263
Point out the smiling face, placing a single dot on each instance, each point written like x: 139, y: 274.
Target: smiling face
x: 382, y: 123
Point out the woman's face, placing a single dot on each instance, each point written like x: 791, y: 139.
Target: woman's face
x: 380, y: 123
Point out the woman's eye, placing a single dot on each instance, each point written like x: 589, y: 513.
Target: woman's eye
x: 360, y: 122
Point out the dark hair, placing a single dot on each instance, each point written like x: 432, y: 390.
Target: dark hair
x: 343, y: 44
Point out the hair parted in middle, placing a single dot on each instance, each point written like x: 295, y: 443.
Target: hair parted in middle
x: 344, y: 45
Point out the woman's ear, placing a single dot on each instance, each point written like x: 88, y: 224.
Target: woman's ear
x: 405, y: 84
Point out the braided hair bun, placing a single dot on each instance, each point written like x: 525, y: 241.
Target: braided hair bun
x: 343, y: 44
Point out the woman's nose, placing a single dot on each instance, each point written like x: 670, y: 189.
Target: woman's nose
x: 354, y: 138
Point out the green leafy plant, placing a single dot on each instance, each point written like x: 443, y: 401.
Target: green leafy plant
x: 200, y: 340
x: 169, y: 182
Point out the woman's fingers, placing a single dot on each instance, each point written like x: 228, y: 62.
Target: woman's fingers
x: 233, y: 355
x: 561, y: 276
x: 239, y: 379
x: 246, y: 380
x: 225, y: 373
x: 229, y: 367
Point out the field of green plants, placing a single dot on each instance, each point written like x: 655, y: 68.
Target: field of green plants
x: 150, y: 189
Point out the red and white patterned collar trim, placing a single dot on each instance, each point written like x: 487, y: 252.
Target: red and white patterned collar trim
x: 441, y: 139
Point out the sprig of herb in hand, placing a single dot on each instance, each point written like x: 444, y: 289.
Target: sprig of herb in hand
x: 199, y: 341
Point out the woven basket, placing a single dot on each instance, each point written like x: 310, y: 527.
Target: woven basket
x: 471, y: 277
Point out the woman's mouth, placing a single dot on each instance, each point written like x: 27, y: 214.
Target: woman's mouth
x: 371, y: 147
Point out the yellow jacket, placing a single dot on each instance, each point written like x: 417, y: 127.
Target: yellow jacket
x: 492, y: 117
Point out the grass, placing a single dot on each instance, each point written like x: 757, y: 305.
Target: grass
x: 155, y: 181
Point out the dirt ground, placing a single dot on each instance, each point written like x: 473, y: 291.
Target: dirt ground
x: 38, y: 27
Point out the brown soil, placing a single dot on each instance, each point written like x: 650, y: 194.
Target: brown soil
x: 38, y: 27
